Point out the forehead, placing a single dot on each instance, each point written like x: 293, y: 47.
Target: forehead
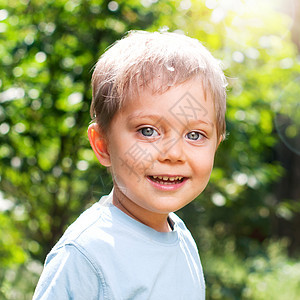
x: 183, y: 103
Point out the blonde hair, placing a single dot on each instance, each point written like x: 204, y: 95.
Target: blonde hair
x: 157, y: 61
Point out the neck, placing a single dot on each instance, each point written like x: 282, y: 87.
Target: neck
x: 158, y: 222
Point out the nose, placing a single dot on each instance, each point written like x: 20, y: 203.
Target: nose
x: 172, y: 150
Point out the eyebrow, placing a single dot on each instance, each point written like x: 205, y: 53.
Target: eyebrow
x: 156, y: 117
x: 208, y: 122
x: 144, y: 116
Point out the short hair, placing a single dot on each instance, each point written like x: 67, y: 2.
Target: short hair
x: 156, y: 60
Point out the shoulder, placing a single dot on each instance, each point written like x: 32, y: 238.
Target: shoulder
x: 94, y: 235
x: 69, y: 272
x: 179, y: 224
x: 183, y: 231
x: 72, y: 266
x: 86, y: 226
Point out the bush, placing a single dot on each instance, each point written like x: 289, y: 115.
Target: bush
x: 270, y: 274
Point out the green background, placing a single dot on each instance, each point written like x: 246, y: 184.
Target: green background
x: 247, y: 221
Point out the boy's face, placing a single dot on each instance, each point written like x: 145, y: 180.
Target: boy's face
x: 161, y: 149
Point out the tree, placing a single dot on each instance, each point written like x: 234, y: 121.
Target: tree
x: 46, y: 69
x: 48, y: 171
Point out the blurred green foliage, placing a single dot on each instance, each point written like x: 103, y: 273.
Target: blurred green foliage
x: 270, y: 274
x: 48, y: 173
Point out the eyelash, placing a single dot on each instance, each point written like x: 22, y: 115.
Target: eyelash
x: 143, y: 128
x: 201, y: 136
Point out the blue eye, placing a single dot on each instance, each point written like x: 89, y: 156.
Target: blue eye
x: 194, y: 135
x: 148, y: 131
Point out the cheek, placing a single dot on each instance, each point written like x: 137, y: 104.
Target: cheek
x: 204, y: 162
x: 128, y: 164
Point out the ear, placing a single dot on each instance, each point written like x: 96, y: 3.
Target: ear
x: 219, y: 142
x: 99, y: 144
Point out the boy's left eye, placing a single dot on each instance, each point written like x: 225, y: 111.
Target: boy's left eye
x: 148, y: 131
x: 194, y: 135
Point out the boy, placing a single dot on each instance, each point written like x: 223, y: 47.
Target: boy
x: 158, y: 117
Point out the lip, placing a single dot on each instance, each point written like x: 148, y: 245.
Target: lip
x: 167, y: 187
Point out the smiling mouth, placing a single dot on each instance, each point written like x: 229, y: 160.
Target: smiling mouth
x: 167, y: 180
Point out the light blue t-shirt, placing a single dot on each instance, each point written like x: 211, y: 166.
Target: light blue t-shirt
x: 105, y: 254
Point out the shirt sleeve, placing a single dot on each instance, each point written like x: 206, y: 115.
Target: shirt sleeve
x: 68, y: 274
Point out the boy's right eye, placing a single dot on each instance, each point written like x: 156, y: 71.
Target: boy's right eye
x: 148, y: 132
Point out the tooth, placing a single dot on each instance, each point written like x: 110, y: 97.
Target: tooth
x: 154, y: 176
x: 165, y: 178
x: 179, y: 177
x: 172, y: 178
x: 159, y: 177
